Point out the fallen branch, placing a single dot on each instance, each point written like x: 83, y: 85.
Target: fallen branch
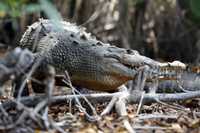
x: 147, y: 98
x: 14, y: 64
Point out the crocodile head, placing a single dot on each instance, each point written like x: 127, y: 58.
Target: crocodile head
x: 127, y: 63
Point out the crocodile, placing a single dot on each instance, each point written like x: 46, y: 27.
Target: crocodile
x: 91, y: 63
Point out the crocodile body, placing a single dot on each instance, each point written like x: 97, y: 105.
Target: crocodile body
x: 90, y: 62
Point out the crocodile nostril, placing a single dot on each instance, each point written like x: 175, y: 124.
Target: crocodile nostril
x: 129, y: 51
x: 72, y: 35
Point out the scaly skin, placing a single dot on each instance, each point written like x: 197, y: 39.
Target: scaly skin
x: 90, y: 63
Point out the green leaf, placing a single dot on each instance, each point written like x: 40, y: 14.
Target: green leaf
x: 14, y: 13
x: 50, y: 10
x: 195, y: 7
x: 3, y: 7
x: 31, y: 8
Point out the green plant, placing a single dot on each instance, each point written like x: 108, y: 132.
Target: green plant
x: 195, y: 8
x: 15, y: 8
x: 192, y: 9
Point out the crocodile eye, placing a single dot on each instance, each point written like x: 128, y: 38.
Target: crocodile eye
x: 133, y: 52
x: 99, y: 43
x: 75, y: 43
x: 83, y: 36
